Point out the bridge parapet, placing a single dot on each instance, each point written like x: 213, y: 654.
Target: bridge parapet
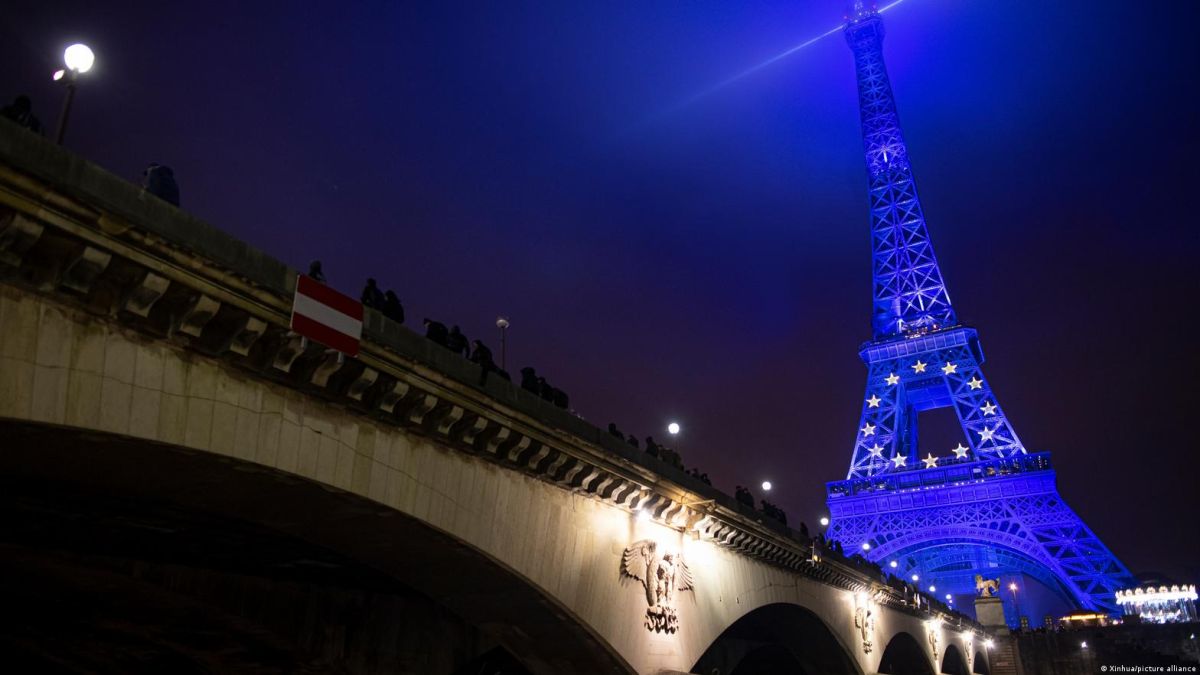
x: 77, y: 234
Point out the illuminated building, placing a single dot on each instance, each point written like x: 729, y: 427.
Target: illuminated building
x: 1174, y: 604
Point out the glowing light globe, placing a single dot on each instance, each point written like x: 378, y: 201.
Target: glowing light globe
x: 79, y: 57
x: 673, y: 428
x: 824, y: 521
x: 766, y: 486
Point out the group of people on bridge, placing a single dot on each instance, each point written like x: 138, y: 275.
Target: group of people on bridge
x: 661, y: 452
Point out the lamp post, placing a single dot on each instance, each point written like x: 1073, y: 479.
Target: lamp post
x: 79, y: 59
x: 502, y: 324
x: 1012, y: 586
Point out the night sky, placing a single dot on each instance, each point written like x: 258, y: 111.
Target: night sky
x: 707, y: 263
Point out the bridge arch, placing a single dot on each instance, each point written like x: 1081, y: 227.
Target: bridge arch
x: 953, y: 662
x: 777, y: 638
x: 980, y: 664
x: 203, y: 503
x: 904, y: 656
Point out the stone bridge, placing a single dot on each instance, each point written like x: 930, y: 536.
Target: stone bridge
x: 189, y: 487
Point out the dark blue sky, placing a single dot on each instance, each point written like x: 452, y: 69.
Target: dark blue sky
x: 708, y: 263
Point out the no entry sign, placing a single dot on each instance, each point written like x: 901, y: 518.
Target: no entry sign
x: 322, y: 314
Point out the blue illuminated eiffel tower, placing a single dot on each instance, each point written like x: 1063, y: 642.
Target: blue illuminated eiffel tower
x: 989, y: 508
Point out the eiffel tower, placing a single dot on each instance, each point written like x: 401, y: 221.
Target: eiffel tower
x: 989, y: 508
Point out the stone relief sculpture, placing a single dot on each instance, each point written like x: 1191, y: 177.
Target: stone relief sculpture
x: 661, y: 577
x: 932, y: 634
x: 864, y: 621
x: 986, y: 588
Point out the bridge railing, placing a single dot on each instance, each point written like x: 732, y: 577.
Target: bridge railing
x: 952, y: 474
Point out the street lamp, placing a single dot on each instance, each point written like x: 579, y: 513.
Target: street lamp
x: 502, y: 324
x: 673, y: 428
x: 79, y: 59
x: 866, y: 546
x: 1012, y: 586
x: 893, y: 564
x: 824, y: 521
x: 916, y: 577
x: 766, y: 486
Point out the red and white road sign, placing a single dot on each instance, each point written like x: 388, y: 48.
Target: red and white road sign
x: 322, y: 314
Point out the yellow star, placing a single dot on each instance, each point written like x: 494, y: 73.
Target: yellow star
x: 930, y: 461
x: 868, y: 430
x: 892, y: 378
x: 949, y: 368
x: 876, y: 450
x: 873, y: 402
x: 986, y: 434
x: 975, y: 383
x: 918, y: 367
x: 988, y: 408
x: 960, y: 452
x: 899, y: 461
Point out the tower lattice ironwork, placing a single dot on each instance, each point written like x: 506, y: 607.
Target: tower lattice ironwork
x: 987, y: 506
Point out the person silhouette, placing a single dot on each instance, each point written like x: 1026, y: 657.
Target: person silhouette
x: 482, y: 356
x: 20, y: 111
x: 159, y: 181
x: 435, y: 331
x: 457, y: 342
x: 529, y: 380
x: 392, y: 308
x: 314, y: 271
x: 371, y: 296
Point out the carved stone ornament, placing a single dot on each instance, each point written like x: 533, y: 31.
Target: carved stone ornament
x: 661, y: 577
x: 864, y: 621
x: 986, y: 588
x: 933, y: 642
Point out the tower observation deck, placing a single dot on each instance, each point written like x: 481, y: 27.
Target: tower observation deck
x: 986, y: 507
